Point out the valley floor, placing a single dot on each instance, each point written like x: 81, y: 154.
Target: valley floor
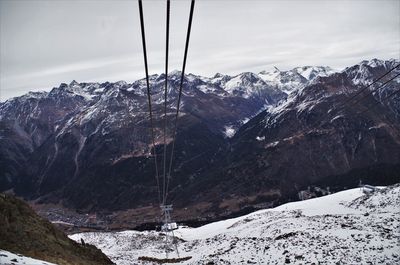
x: 347, y: 227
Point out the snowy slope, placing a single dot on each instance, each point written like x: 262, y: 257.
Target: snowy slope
x: 8, y: 258
x: 346, y: 228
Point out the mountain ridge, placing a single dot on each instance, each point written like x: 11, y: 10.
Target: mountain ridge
x: 97, y: 134
x: 309, y: 73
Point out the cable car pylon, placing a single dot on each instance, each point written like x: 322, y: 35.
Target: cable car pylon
x: 166, y: 210
x: 168, y: 229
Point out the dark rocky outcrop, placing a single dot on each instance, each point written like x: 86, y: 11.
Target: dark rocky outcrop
x: 23, y: 231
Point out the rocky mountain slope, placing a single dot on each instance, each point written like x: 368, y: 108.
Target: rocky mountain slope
x: 244, y: 140
x: 23, y: 231
x: 347, y: 227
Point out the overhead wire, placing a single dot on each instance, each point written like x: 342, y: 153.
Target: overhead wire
x: 163, y: 191
x: 387, y: 97
x: 167, y: 177
x: 371, y: 84
x: 165, y: 101
x: 372, y: 91
x: 359, y: 100
x: 149, y: 97
x: 174, y: 134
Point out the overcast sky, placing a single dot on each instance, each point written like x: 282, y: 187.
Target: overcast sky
x: 46, y: 42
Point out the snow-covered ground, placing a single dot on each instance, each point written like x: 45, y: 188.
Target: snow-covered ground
x: 347, y: 227
x: 8, y: 258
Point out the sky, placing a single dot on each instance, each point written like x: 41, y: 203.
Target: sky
x: 47, y: 42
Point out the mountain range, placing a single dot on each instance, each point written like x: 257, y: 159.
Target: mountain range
x: 250, y: 140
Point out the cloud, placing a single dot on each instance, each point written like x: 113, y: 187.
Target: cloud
x: 72, y: 68
x: 43, y: 44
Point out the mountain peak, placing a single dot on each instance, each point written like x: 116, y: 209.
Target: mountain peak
x: 174, y: 73
x: 74, y: 83
x: 249, y: 76
x: 312, y: 72
x: 121, y: 83
x: 63, y: 86
x: 218, y: 75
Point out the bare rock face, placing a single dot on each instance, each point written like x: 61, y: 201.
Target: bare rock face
x: 242, y: 140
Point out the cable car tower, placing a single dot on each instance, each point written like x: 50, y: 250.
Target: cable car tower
x: 168, y: 227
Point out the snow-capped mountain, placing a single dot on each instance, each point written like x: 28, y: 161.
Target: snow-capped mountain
x: 244, y: 85
x: 242, y: 141
x: 295, y: 79
x: 366, y: 71
x: 312, y: 72
x: 348, y: 227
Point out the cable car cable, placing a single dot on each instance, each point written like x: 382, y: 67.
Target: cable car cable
x: 180, y: 93
x: 165, y: 102
x: 149, y: 96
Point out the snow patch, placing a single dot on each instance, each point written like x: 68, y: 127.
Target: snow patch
x: 229, y: 131
x: 244, y: 121
x: 336, y: 118
x: 9, y: 258
x: 273, y: 144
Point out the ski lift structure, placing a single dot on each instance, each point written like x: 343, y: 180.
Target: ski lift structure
x: 168, y: 226
x: 366, y: 188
